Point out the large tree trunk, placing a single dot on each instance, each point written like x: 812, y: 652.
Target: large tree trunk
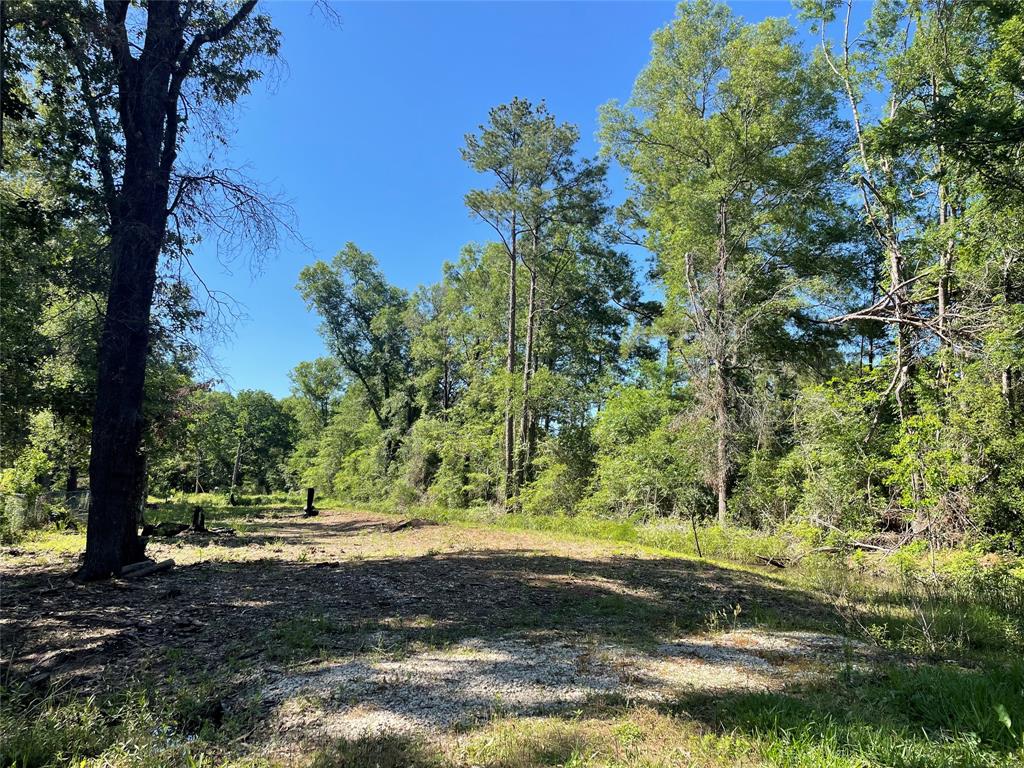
x: 138, y: 223
x: 113, y: 539
x: 148, y: 89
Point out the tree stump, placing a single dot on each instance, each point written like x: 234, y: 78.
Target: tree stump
x: 198, y: 520
x: 310, y: 510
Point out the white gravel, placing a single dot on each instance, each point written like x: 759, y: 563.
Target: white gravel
x: 434, y: 691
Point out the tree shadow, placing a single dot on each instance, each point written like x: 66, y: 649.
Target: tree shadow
x: 471, y: 622
x: 226, y: 610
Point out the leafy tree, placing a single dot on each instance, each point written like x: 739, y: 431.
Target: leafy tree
x: 132, y: 76
x: 316, y: 385
x: 730, y: 141
x: 364, y: 326
x: 264, y: 436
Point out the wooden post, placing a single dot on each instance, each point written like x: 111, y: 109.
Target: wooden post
x: 696, y: 539
x: 311, y: 511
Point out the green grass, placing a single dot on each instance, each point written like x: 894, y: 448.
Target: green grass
x: 897, y: 718
x: 909, y: 714
x: 300, y: 636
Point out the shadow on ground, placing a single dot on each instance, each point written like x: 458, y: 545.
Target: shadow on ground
x: 296, y: 609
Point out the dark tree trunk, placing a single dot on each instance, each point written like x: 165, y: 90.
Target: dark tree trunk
x: 71, y: 487
x: 148, y: 88
x: 113, y: 539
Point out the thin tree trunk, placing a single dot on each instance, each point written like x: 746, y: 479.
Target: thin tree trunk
x: 445, y: 384
x: 1008, y: 380
x: 904, y: 339
x: 945, y: 262
x: 722, y: 448
x: 721, y: 394
x: 236, y: 469
x: 3, y: 72
x: 510, y: 367
x: 526, y: 413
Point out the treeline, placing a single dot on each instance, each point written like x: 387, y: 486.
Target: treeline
x: 827, y: 332
x: 835, y: 243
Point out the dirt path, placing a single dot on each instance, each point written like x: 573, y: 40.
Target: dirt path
x: 338, y: 626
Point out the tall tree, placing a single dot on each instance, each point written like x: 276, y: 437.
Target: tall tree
x: 540, y: 192
x: 730, y: 142
x: 142, y: 77
x: 364, y: 325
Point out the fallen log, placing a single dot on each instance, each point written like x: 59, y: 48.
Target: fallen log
x: 413, y: 522
x: 135, y: 566
x: 147, y: 568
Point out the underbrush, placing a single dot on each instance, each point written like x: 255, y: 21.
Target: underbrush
x: 969, y: 605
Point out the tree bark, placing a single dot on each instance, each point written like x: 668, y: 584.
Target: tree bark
x: 526, y: 412
x: 112, y: 538
x: 510, y: 367
x: 235, y: 469
x: 148, y: 88
x: 721, y: 395
x: 71, y: 487
x: 722, y: 450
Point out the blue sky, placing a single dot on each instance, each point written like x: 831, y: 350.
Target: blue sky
x: 362, y: 134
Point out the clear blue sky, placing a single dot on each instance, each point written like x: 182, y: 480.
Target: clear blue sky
x: 362, y: 133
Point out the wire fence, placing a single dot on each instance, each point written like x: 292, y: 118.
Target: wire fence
x: 19, y: 512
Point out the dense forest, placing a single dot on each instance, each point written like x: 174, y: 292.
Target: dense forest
x: 808, y: 312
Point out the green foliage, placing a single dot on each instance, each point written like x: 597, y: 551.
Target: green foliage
x: 648, y: 457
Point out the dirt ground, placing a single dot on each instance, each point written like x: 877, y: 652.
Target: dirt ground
x: 339, y: 625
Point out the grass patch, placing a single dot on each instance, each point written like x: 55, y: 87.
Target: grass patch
x: 301, y: 637
x: 130, y: 729
x: 900, y: 717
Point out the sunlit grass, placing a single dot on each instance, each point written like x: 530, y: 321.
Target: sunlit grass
x: 909, y: 714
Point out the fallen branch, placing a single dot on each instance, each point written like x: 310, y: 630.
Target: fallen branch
x: 413, y: 522
x: 145, y: 569
x: 132, y: 567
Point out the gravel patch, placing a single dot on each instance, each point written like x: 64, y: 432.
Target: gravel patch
x: 435, y: 691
